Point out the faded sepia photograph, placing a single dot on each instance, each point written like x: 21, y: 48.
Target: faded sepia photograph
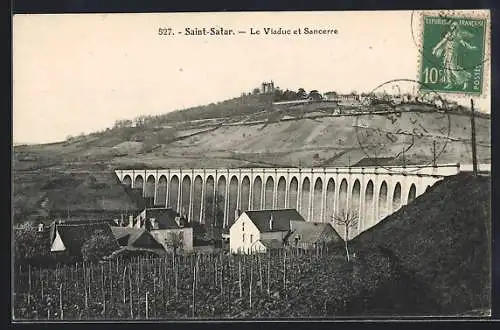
x: 231, y: 166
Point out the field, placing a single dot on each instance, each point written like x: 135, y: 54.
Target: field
x: 278, y: 284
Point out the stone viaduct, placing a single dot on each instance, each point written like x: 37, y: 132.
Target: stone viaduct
x: 214, y: 195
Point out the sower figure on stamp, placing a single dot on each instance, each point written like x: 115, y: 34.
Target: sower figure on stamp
x: 447, y: 48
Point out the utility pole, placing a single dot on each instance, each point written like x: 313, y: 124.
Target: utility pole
x: 473, y: 138
x: 434, y: 153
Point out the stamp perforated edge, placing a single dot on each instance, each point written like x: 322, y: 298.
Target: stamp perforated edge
x: 475, y: 14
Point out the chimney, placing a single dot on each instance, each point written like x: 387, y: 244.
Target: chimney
x: 271, y: 223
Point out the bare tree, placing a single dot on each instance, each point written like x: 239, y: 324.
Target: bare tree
x: 174, y: 241
x: 348, y: 219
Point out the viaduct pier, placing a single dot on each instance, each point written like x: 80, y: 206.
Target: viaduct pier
x: 214, y: 195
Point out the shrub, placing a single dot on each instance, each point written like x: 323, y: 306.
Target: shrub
x: 98, y: 246
x: 30, y: 244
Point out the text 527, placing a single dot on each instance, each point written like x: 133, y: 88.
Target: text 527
x: 165, y: 31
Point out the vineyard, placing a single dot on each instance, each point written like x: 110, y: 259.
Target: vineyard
x: 282, y: 283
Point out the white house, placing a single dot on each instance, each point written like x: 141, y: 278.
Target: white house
x: 266, y: 226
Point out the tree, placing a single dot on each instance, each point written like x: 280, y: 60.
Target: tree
x: 289, y: 95
x: 331, y: 94
x: 98, y: 246
x: 29, y: 244
x: 199, y: 231
x: 174, y: 240
x: 301, y: 93
x: 277, y: 95
x: 315, y: 95
x: 348, y: 219
x: 256, y: 91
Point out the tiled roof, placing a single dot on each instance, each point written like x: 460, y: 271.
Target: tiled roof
x: 135, y: 238
x: 312, y: 232
x: 281, y: 219
x: 126, y: 235
x: 76, y: 221
x: 165, y: 217
x: 130, y: 249
x: 272, y: 243
x: 75, y: 235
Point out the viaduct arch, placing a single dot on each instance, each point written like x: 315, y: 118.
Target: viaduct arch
x: 215, y: 195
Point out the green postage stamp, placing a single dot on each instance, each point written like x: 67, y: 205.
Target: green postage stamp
x: 453, y: 54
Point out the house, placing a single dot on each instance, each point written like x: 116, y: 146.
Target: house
x: 167, y: 228
x: 309, y: 235
x: 263, y: 225
x: 352, y: 99
x: 136, y: 238
x: 156, y: 218
x: 266, y: 245
x: 69, y: 238
x: 180, y: 239
x: 78, y: 221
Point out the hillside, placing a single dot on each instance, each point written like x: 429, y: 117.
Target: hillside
x: 269, y: 138
x: 45, y: 196
x: 441, y: 242
x: 252, y: 134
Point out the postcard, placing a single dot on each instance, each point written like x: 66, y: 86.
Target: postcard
x: 251, y: 166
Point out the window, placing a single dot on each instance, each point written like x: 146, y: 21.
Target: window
x: 243, y: 238
x: 251, y: 238
x: 242, y: 226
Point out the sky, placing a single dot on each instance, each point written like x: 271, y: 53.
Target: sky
x: 79, y: 73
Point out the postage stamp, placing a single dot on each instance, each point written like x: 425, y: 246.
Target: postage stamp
x: 453, y: 53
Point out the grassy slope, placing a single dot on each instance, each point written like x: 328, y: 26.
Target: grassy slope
x: 42, y: 196
x: 441, y: 244
x: 318, y: 141
x: 285, y: 143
